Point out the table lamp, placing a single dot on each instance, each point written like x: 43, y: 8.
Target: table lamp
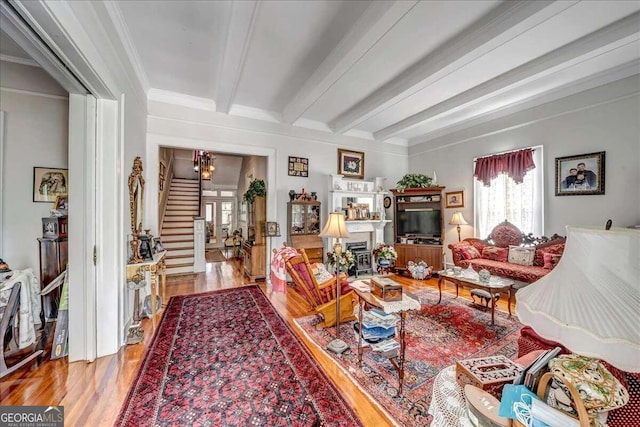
x: 336, y: 228
x: 457, y: 219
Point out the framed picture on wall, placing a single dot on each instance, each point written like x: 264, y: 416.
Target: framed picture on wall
x: 298, y: 166
x: 351, y: 163
x: 580, y: 175
x: 454, y: 199
x: 49, y: 183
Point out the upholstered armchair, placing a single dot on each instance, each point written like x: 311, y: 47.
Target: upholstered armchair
x: 321, y: 297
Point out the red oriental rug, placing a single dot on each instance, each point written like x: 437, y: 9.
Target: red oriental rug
x: 227, y: 358
x: 436, y: 336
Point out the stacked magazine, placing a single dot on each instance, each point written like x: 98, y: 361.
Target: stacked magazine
x: 530, y: 376
x: 377, y: 327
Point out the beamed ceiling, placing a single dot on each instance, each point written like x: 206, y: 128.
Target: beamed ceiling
x: 392, y: 72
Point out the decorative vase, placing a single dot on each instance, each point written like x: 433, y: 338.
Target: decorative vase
x: 484, y: 276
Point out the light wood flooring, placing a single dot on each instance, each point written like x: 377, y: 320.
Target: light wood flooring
x: 92, y: 393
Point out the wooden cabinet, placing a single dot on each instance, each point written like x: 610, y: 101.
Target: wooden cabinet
x: 431, y: 254
x: 303, y: 228
x: 254, y: 248
x: 419, y: 227
x: 53, y: 261
x: 254, y: 260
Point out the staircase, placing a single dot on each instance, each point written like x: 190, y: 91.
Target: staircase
x: 177, y: 228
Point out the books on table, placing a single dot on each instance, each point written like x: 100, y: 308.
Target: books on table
x: 532, y: 373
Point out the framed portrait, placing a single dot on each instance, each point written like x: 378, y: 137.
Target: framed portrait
x: 48, y: 183
x: 580, y: 175
x: 272, y: 229
x: 61, y: 203
x: 298, y: 166
x: 351, y: 163
x: 454, y: 199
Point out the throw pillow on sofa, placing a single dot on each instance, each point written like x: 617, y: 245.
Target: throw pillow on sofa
x: 521, y: 256
x: 495, y: 253
x: 538, y: 260
x: 551, y: 260
x: 470, y: 252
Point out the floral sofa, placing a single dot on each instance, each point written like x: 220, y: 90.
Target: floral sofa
x: 507, y: 252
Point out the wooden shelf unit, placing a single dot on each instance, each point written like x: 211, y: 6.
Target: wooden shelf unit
x: 254, y: 248
x: 417, y: 248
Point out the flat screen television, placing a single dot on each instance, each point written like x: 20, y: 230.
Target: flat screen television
x: 419, y: 222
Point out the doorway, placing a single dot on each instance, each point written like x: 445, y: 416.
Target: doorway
x: 220, y: 218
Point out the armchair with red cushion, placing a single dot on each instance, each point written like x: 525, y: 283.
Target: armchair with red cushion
x: 321, y: 297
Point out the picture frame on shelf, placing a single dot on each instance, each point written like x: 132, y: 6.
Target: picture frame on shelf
x: 298, y: 166
x: 49, y: 183
x: 580, y: 175
x: 351, y: 163
x: 272, y: 229
x: 454, y: 199
x: 61, y: 203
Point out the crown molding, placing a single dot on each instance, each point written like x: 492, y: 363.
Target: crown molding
x: 18, y: 60
x: 122, y: 31
x: 176, y: 98
x: 255, y: 113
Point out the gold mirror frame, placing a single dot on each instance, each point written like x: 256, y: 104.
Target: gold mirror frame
x: 136, y: 202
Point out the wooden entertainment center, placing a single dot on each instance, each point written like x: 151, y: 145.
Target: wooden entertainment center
x: 418, y: 226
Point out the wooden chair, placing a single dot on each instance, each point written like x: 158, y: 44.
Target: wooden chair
x: 9, y: 333
x: 320, y: 296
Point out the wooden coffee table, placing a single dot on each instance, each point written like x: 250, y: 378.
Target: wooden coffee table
x: 496, y: 284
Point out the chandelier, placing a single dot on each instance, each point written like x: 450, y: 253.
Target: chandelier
x: 203, y: 163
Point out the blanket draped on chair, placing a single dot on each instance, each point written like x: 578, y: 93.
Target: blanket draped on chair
x: 278, y: 269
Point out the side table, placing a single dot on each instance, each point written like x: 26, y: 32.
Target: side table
x: 154, y: 267
x: 401, y: 308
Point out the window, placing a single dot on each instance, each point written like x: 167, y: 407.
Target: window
x: 520, y: 204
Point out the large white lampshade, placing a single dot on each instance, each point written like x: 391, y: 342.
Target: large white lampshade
x: 335, y: 226
x: 590, y: 302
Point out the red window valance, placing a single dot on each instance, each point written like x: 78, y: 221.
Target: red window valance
x: 515, y: 164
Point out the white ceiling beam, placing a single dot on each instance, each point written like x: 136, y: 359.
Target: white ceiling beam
x: 375, y: 22
x: 504, y: 23
x: 610, y: 37
x: 240, y: 24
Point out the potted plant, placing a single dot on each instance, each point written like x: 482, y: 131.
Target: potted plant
x: 257, y: 188
x: 385, y: 254
x: 414, y: 180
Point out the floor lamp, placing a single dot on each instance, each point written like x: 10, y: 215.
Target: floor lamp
x: 457, y: 219
x: 336, y: 228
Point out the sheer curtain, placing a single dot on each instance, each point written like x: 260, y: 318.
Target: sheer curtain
x: 520, y: 204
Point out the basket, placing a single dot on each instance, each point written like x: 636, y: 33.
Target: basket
x: 583, y: 416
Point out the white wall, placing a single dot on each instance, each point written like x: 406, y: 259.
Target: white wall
x: 36, y: 132
x: 177, y: 125
x: 601, y: 119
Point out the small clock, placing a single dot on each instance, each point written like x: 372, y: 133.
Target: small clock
x: 387, y: 202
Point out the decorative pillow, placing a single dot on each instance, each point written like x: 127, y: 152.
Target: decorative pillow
x: 551, y: 260
x: 495, y: 253
x: 520, y: 255
x: 470, y: 252
x: 552, y: 249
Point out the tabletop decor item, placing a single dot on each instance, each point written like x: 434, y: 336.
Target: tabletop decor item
x: 484, y: 275
x: 419, y: 271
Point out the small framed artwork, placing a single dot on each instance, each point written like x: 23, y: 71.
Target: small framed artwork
x: 61, y: 203
x: 161, y: 177
x: 454, y: 199
x: 351, y: 163
x: 580, y: 175
x: 49, y: 183
x: 298, y: 166
x: 272, y: 229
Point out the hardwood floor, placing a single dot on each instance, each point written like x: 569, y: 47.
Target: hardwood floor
x: 92, y: 393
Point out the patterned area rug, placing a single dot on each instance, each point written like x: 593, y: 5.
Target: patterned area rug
x: 437, y: 336
x: 226, y: 358
x: 214, y: 255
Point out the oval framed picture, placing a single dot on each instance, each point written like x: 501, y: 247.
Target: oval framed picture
x: 387, y: 202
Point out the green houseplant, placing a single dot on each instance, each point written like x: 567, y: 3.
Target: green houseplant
x: 413, y: 180
x: 256, y: 188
